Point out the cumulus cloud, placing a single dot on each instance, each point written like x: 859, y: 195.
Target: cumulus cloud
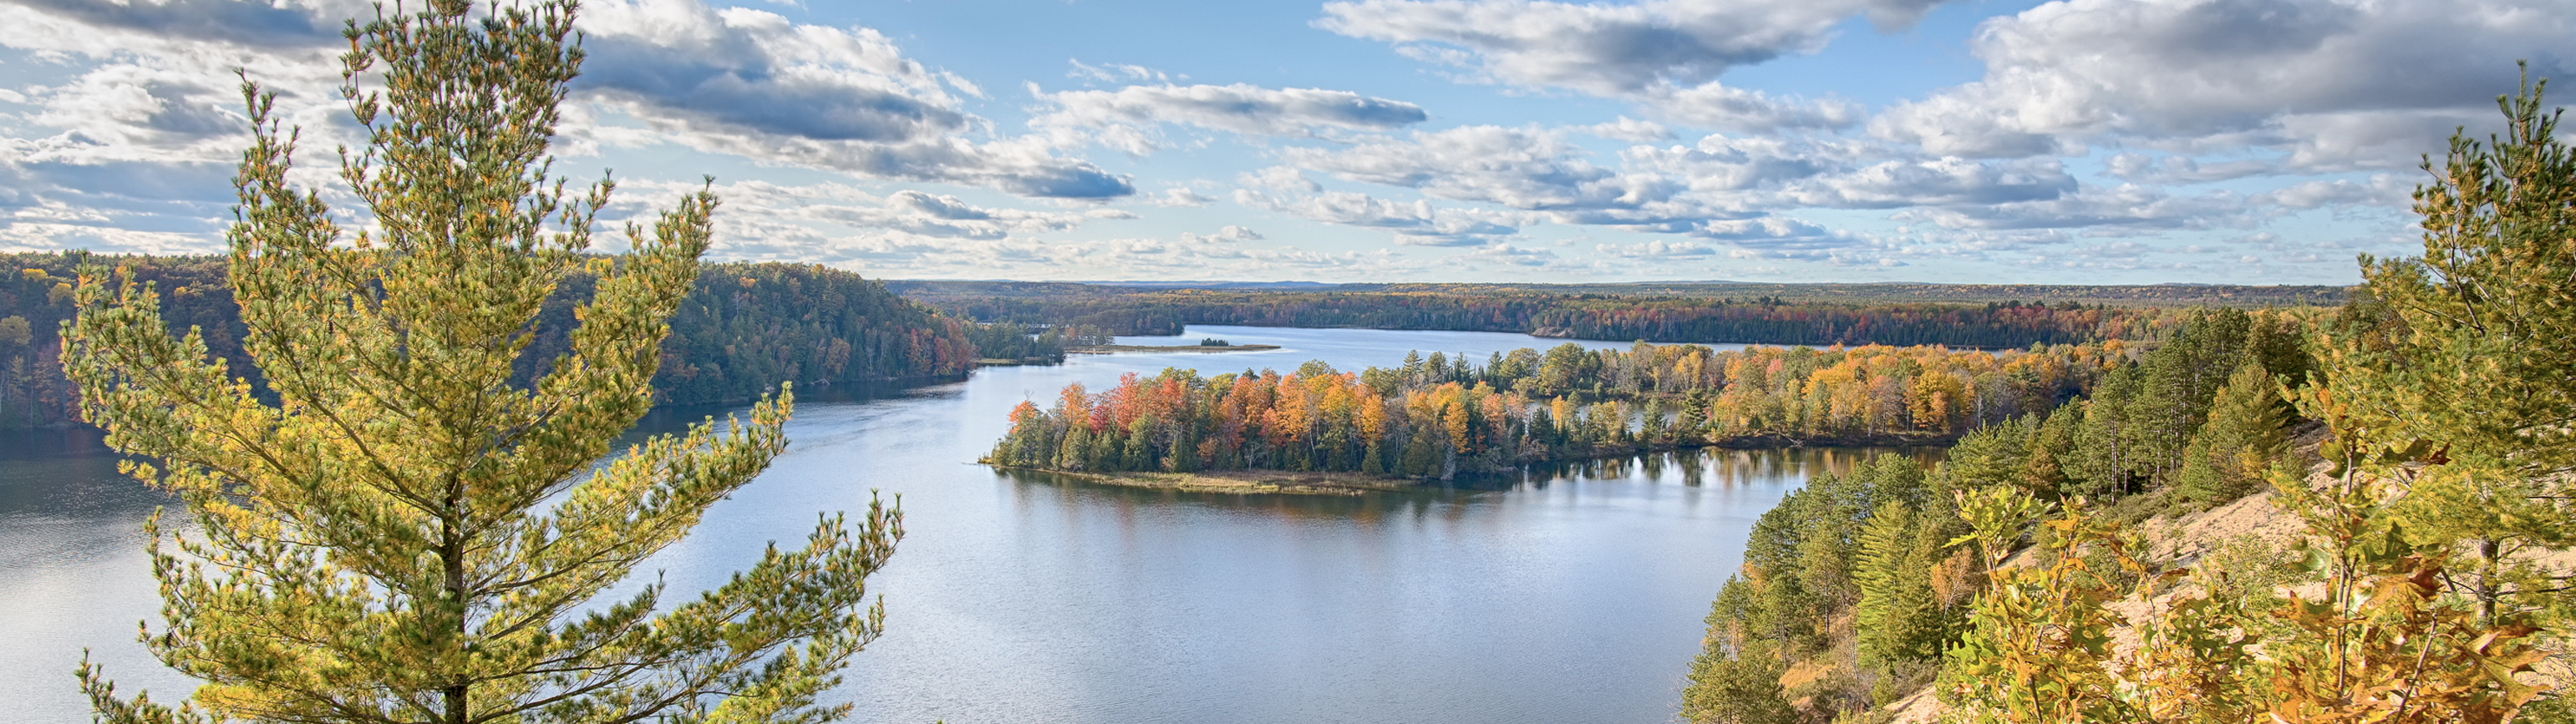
x: 725, y: 80
x: 1114, y: 72
x: 752, y: 83
x: 1714, y: 105
x: 1675, y: 189
x: 2330, y: 84
x: 2127, y: 207
x: 308, y: 23
x: 1630, y: 129
x: 943, y: 216
x: 1126, y: 118
x: 1664, y: 55
x: 1227, y: 235
x: 1656, y: 249
x: 1179, y: 197
x: 2378, y: 190
x: 1419, y: 223
x: 1606, y: 49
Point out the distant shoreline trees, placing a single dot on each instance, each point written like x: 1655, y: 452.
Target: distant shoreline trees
x: 1681, y: 320
x: 744, y: 328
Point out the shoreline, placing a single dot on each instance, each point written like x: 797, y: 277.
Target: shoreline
x: 1287, y: 482
x: 1142, y: 348
x: 1238, y: 481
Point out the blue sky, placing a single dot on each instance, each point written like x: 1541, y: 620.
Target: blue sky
x: 2077, y: 141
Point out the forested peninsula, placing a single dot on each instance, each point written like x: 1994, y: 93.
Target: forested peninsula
x: 743, y: 329
x: 1442, y: 416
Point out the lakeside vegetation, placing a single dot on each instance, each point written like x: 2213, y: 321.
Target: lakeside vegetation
x: 2414, y: 446
x: 743, y: 329
x: 1440, y: 416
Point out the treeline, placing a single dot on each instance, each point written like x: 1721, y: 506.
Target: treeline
x: 745, y: 328
x: 1761, y: 320
x: 749, y: 326
x: 1018, y: 344
x: 1441, y: 416
x: 1856, y: 582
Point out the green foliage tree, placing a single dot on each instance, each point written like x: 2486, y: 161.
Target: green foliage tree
x: 393, y: 530
x: 2231, y: 455
x: 1736, y: 677
x: 2461, y: 355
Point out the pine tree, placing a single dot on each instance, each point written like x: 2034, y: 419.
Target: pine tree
x: 2230, y: 456
x: 394, y: 531
x: 2459, y: 359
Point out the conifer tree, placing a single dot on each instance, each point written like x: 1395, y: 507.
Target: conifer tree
x: 2460, y: 358
x: 395, y: 531
x: 2231, y: 454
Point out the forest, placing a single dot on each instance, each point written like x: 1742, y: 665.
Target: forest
x: 1440, y: 416
x: 1860, y: 582
x: 744, y: 328
x: 2413, y: 448
x: 1651, y: 318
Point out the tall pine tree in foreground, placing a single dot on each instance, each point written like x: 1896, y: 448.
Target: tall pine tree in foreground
x: 395, y: 532
x: 2455, y: 371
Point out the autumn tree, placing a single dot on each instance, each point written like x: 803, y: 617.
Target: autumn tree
x: 392, y: 530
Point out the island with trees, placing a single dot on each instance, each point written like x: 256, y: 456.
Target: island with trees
x: 1442, y: 416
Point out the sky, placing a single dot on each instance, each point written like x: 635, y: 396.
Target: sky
x: 1968, y: 141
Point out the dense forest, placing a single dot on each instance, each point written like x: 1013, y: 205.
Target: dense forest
x: 2415, y: 447
x: 1857, y: 582
x: 1441, y: 416
x: 745, y: 328
x: 1651, y: 318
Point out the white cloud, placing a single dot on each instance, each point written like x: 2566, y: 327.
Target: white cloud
x: 943, y: 216
x: 1656, y: 249
x: 1606, y: 49
x: 1664, y: 55
x: 1631, y: 130
x: 154, y: 86
x: 2331, y: 84
x: 752, y: 83
x: 2124, y: 208
x: 1227, y: 235
x: 1114, y: 72
x: 1675, y: 189
x: 1128, y: 118
x: 1179, y: 197
x: 1714, y: 105
x: 2378, y: 190
x: 1419, y: 223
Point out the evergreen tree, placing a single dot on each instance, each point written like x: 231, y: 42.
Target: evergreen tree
x: 395, y: 531
x: 2233, y: 452
x: 2460, y: 359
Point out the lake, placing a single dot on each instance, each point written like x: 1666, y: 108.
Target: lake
x: 1564, y: 597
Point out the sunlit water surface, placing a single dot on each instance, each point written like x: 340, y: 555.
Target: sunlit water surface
x: 1564, y: 596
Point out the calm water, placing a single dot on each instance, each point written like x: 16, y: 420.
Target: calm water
x: 1567, y: 597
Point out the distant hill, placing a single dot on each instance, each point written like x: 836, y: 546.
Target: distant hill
x: 2162, y: 295
x: 1714, y: 312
